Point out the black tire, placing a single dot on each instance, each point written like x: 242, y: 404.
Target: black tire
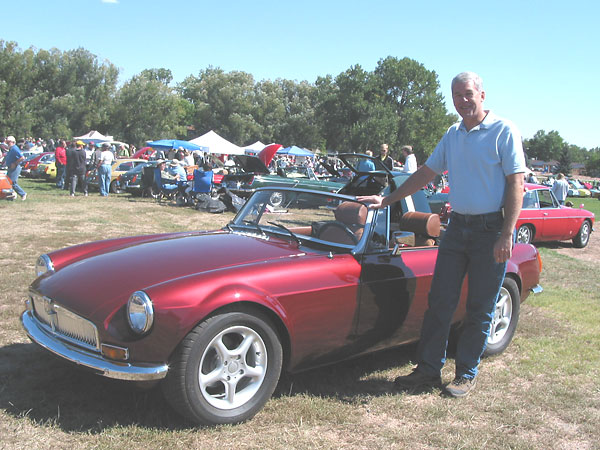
x: 505, y: 319
x: 181, y: 200
x: 583, y: 237
x: 525, y: 234
x: 251, y: 370
x: 114, y: 187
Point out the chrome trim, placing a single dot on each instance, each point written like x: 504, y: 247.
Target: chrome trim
x: 94, y: 361
x: 537, y: 289
x: 44, y: 262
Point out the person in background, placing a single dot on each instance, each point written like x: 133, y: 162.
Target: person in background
x: 76, y: 161
x: 105, y: 162
x: 486, y: 151
x: 384, y: 156
x: 560, y: 188
x: 13, y: 161
x: 410, y: 160
x: 60, y: 157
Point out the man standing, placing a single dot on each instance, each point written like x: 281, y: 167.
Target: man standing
x: 105, y: 162
x: 482, y: 150
x: 13, y: 161
x: 384, y: 156
x: 76, y: 160
x: 60, y: 156
x: 560, y: 188
x: 410, y: 160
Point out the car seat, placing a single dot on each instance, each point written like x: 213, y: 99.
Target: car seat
x: 349, y: 224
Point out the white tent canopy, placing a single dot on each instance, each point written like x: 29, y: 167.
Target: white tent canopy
x: 93, y: 136
x: 257, y: 146
x: 217, y: 144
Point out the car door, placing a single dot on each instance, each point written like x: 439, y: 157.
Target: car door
x: 556, y: 225
x: 394, y: 289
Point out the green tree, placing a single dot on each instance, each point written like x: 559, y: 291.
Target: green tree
x: 146, y: 108
x: 545, y: 147
x: 564, y: 161
x: 223, y: 102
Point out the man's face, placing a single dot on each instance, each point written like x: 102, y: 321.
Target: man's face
x: 468, y: 101
x: 384, y: 149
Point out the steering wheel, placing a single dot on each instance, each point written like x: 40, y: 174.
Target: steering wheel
x: 333, y: 226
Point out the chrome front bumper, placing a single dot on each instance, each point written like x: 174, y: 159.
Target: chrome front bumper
x: 95, y: 361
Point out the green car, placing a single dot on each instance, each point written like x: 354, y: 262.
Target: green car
x: 250, y: 173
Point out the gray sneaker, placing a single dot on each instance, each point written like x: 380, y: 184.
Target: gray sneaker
x: 417, y: 379
x: 461, y: 386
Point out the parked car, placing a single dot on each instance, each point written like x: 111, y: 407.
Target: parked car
x: 215, y: 317
x: 30, y: 165
x: 576, y: 189
x: 132, y: 180
x: 250, y: 173
x: 41, y: 171
x: 6, y: 189
x: 119, y: 167
x: 542, y: 218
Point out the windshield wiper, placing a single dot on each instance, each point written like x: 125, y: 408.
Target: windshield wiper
x: 283, y: 227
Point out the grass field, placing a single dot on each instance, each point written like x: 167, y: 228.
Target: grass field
x: 542, y: 393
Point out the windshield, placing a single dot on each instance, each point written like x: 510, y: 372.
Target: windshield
x: 362, y: 163
x: 307, y: 218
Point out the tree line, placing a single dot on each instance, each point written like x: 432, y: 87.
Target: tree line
x: 53, y: 93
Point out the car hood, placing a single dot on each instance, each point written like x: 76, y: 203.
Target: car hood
x: 251, y: 164
x: 107, y: 279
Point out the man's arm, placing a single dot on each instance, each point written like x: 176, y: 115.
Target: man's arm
x: 415, y: 182
x: 513, y: 201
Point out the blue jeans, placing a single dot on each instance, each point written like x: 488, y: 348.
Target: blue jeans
x: 467, y: 248
x: 60, y: 176
x: 104, y: 174
x: 13, y: 174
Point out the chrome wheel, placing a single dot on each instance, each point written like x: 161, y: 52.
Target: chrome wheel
x: 502, y: 317
x: 524, y: 234
x: 583, y: 237
x: 233, y: 367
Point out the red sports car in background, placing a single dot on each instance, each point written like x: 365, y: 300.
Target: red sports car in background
x: 217, y: 316
x: 544, y: 219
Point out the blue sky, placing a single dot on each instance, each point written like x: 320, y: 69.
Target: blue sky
x: 540, y: 60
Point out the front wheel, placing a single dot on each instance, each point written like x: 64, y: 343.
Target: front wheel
x: 225, y: 370
x: 524, y: 234
x: 583, y: 237
x: 505, y: 319
x: 114, y: 187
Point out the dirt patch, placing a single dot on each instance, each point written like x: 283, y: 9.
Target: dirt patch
x: 591, y: 253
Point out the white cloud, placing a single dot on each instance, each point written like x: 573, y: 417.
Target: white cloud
x: 110, y: 1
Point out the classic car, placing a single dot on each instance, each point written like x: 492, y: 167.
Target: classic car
x: 251, y: 173
x: 6, y: 190
x: 119, y: 166
x: 30, y: 166
x: 277, y: 289
x: 542, y: 218
x: 576, y: 189
x: 132, y: 180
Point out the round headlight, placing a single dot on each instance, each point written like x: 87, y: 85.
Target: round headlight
x: 43, y: 265
x: 140, y: 312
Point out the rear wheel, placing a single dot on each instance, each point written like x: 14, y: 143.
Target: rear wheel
x: 525, y: 234
x: 225, y: 370
x: 114, y: 187
x: 505, y: 319
x: 583, y: 237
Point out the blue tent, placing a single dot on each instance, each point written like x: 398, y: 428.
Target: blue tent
x: 175, y: 143
x: 295, y: 151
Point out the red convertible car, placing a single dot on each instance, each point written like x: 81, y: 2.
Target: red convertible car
x: 216, y: 317
x: 544, y: 219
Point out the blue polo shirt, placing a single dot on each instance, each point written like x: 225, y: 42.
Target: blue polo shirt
x: 478, y: 162
x: 14, y: 154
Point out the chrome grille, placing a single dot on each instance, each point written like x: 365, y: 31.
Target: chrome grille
x: 65, y: 323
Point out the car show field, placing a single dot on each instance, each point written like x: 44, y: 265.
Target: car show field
x: 541, y: 392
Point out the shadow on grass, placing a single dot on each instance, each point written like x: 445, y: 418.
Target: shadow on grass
x: 45, y: 389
